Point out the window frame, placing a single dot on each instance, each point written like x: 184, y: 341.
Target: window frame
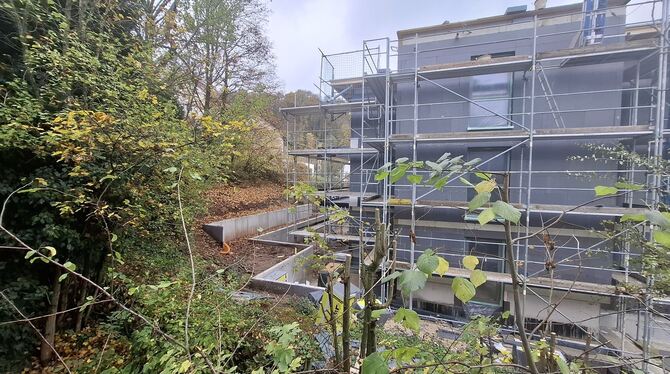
x: 505, y: 124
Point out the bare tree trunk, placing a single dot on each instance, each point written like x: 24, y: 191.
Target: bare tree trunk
x: 82, y: 15
x: 46, y: 353
x: 346, y: 317
x: 209, y: 79
x: 65, y: 289
x: 369, y: 266
x: 79, y: 317
x: 516, y: 285
x: 332, y: 319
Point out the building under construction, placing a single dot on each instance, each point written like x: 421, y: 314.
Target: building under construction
x: 532, y: 93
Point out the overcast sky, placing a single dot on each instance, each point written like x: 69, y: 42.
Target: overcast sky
x: 299, y: 27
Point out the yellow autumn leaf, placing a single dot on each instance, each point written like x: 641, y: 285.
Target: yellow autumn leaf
x: 470, y: 262
x: 442, y: 266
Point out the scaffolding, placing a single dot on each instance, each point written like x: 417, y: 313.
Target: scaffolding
x: 378, y: 88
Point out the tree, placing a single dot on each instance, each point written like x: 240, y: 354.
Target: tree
x: 85, y: 117
x: 221, y: 50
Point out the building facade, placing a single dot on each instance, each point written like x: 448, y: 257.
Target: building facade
x: 534, y: 94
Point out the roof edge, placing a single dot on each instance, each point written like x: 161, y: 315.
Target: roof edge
x: 499, y: 18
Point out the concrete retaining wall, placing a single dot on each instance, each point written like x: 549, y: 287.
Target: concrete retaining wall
x: 231, y: 229
x: 287, y: 276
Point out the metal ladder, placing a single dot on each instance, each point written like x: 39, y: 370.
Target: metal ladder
x: 549, y: 95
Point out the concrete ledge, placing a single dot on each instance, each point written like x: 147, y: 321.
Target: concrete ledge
x: 286, y: 277
x: 277, y: 287
x: 233, y: 228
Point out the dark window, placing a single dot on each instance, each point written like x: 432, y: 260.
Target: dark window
x: 491, y: 93
x: 491, y: 255
x: 594, y: 21
x: 568, y: 330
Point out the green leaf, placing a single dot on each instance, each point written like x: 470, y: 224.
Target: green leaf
x: 374, y: 364
x: 506, y: 211
x: 114, y: 237
x: 31, y: 190
x: 184, y: 366
x: 472, y: 162
x: 398, y: 173
x: 605, y: 190
x: 441, y: 182
x: 444, y: 156
x: 657, y: 218
x: 412, y: 280
x: 401, y: 160
x: 89, y: 301
x: 427, y: 262
x: 52, y: 251
x: 108, y: 176
x: 381, y: 175
x: 62, y: 277
x: 662, y: 238
x: 414, y: 178
x: 378, y: 313
x: 486, y: 186
x: 391, y: 276
x: 479, y: 200
x: 477, y: 277
x: 486, y: 216
x: 483, y: 176
x: 463, y: 289
x: 434, y: 166
x: 172, y: 169
x: 408, y: 318
x: 628, y: 186
x: 470, y: 262
x: 562, y: 365
x: 70, y: 266
x: 386, y: 166
x: 30, y: 254
x: 633, y: 218
x: 405, y: 354
x: 442, y: 267
x: 196, y: 176
x: 466, y: 182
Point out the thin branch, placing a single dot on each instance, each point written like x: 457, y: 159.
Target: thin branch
x: 190, y: 257
x: 102, y: 352
x: 99, y: 288
x: 36, y: 330
x: 52, y: 314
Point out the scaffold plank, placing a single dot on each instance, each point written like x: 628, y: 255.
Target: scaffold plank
x: 335, y: 108
x: 537, y: 282
x: 545, y: 208
x: 600, y: 53
x: 619, y: 132
x: 332, y: 152
x: 476, y: 67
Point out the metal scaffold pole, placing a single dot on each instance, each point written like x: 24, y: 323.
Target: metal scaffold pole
x: 387, y: 119
x: 529, y: 180
x: 386, y: 158
x: 361, y: 228
x: 415, y: 115
x: 659, y: 126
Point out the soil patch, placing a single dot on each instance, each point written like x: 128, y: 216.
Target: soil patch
x: 242, y: 200
x: 237, y: 201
